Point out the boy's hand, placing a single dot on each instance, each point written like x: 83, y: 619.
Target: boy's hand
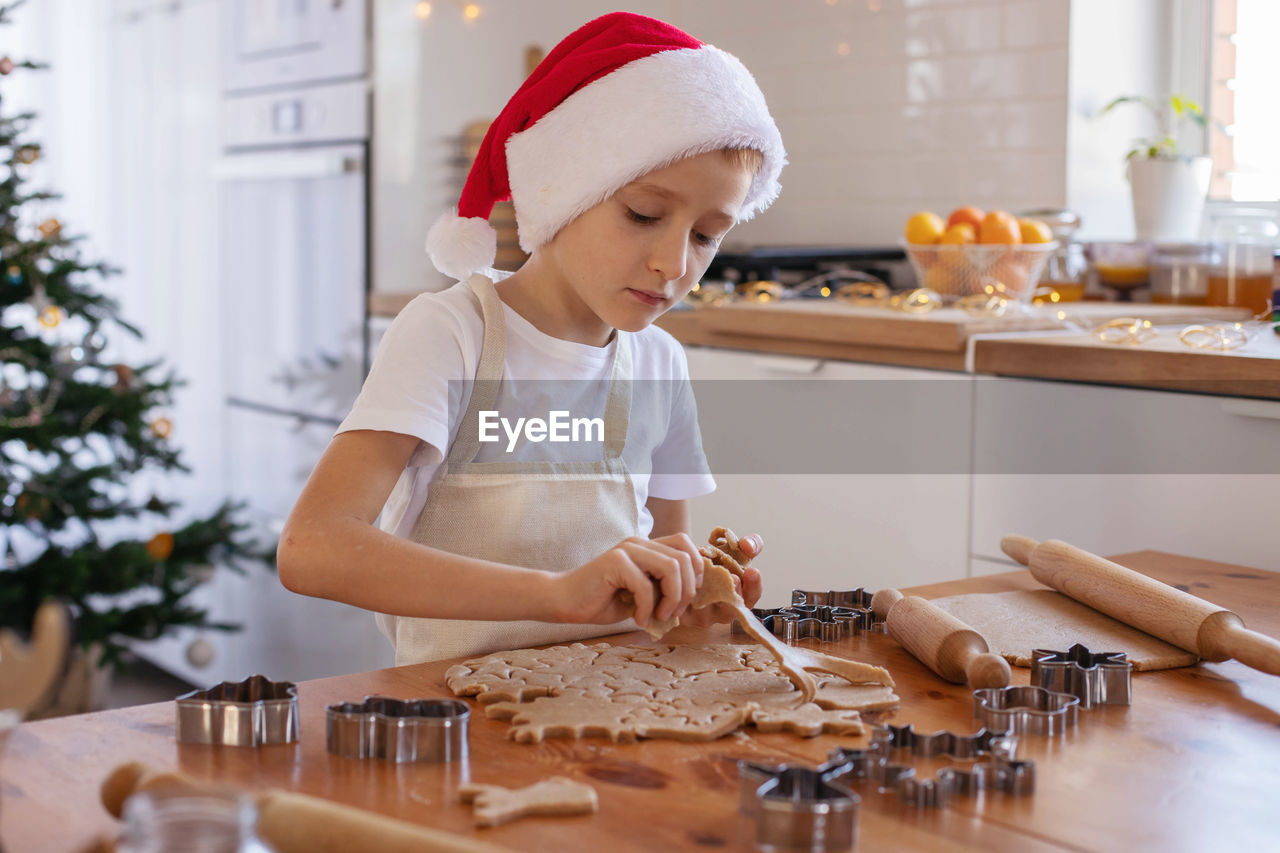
x: 749, y: 586
x: 630, y: 579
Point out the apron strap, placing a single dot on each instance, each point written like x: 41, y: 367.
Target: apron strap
x: 617, y: 409
x: 484, y: 390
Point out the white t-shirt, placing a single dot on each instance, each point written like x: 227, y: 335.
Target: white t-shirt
x: 419, y: 385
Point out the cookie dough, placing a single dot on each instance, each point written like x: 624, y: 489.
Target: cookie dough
x: 1015, y: 623
x: 624, y: 693
x: 559, y: 795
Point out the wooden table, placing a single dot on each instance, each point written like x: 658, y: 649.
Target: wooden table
x: 1193, y: 763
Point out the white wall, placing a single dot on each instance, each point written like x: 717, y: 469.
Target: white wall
x: 886, y: 106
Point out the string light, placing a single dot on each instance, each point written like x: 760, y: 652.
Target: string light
x: 471, y: 11
x: 423, y: 10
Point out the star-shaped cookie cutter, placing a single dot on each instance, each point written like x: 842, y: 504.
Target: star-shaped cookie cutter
x: 252, y: 712
x: 797, y: 807
x: 399, y: 730
x: 1023, y: 709
x: 1094, y: 679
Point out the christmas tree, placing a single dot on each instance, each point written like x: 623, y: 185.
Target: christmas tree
x: 76, y: 427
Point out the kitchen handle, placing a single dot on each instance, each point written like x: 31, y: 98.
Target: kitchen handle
x: 788, y: 364
x: 290, y: 166
x: 1247, y: 408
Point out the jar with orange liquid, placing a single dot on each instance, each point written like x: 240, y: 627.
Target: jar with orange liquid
x: 1243, y: 274
x: 1067, y: 270
x: 1121, y: 266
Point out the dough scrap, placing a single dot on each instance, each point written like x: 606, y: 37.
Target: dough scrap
x: 624, y: 693
x: 1014, y: 623
x: 558, y: 795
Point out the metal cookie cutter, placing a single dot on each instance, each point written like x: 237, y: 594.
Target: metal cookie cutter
x: 1025, y: 710
x: 855, y: 599
x: 999, y: 772
x: 799, y: 808
x: 826, y: 616
x: 398, y: 730
x: 252, y: 712
x: 1094, y: 679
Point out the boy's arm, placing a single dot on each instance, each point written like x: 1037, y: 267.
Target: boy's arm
x: 330, y: 548
x: 669, y: 517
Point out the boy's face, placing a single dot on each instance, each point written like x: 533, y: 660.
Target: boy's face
x: 636, y: 254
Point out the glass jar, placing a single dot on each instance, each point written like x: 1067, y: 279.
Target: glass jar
x: 1243, y: 275
x: 1180, y: 273
x: 1067, y: 271
x: 173, y: 821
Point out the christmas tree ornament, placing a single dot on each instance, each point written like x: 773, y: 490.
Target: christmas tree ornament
x: 13, y: 275
x: 160, y: 546
x: 50, y: 317
x: 49, y: 229
x: 6, y: 65
x: 200, y: 653
x: 162, y: 427
x: 27, y: 154
x: 124, y: 376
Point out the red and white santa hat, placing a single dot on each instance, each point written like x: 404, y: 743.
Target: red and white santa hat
x: 620, y: 97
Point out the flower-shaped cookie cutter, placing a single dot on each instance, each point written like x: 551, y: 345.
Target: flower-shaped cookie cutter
x: 827, y: 616
x: 252, y: 712
x: 797, y: 807
x: 1094, y: 679
x: 1025, y: 710
x: 399, y: 730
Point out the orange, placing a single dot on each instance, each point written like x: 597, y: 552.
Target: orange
x: 999, y: 227
x: 924, y: 228
x: 959, y: 234
x: 971, y: 215
x: 1035, y: 231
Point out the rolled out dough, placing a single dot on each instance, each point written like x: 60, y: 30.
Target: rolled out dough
x: 693, y: 693
x: 1014, y: 623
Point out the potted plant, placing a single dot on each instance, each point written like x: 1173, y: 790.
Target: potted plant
x: 1168, y: 187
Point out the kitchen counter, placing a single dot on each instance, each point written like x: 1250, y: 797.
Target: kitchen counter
x: 1193, y: 763
x: 1030, y: 346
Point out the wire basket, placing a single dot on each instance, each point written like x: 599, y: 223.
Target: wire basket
x: 955, y: 272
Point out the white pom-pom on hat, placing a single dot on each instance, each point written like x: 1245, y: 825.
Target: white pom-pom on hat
x: 460, y: 245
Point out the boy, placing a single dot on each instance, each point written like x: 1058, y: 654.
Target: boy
x: 628, y: 153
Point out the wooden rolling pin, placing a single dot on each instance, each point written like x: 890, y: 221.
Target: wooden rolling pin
x: 939, y: 640
x: 297, y: 823
x: 1201, y: 627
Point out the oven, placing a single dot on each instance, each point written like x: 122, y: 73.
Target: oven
x: 293, y: 271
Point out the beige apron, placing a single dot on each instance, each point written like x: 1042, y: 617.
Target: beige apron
x: 553, y: 516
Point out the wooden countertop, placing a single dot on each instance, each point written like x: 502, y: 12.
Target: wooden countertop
x: 1193, y: 763
x: 1162, y: 362
x: 1024, y: 346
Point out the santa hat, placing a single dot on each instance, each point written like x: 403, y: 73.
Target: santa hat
x: 618, y: 98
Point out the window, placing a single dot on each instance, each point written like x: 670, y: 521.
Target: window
x: 1243, y: 69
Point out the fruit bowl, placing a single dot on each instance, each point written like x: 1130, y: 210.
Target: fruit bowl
x: 957, y: 271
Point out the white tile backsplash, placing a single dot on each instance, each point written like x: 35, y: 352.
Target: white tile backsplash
x: 888, y: 106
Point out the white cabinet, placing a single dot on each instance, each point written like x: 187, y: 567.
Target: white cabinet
x: 1118, y: 469
x: 861, y: 523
